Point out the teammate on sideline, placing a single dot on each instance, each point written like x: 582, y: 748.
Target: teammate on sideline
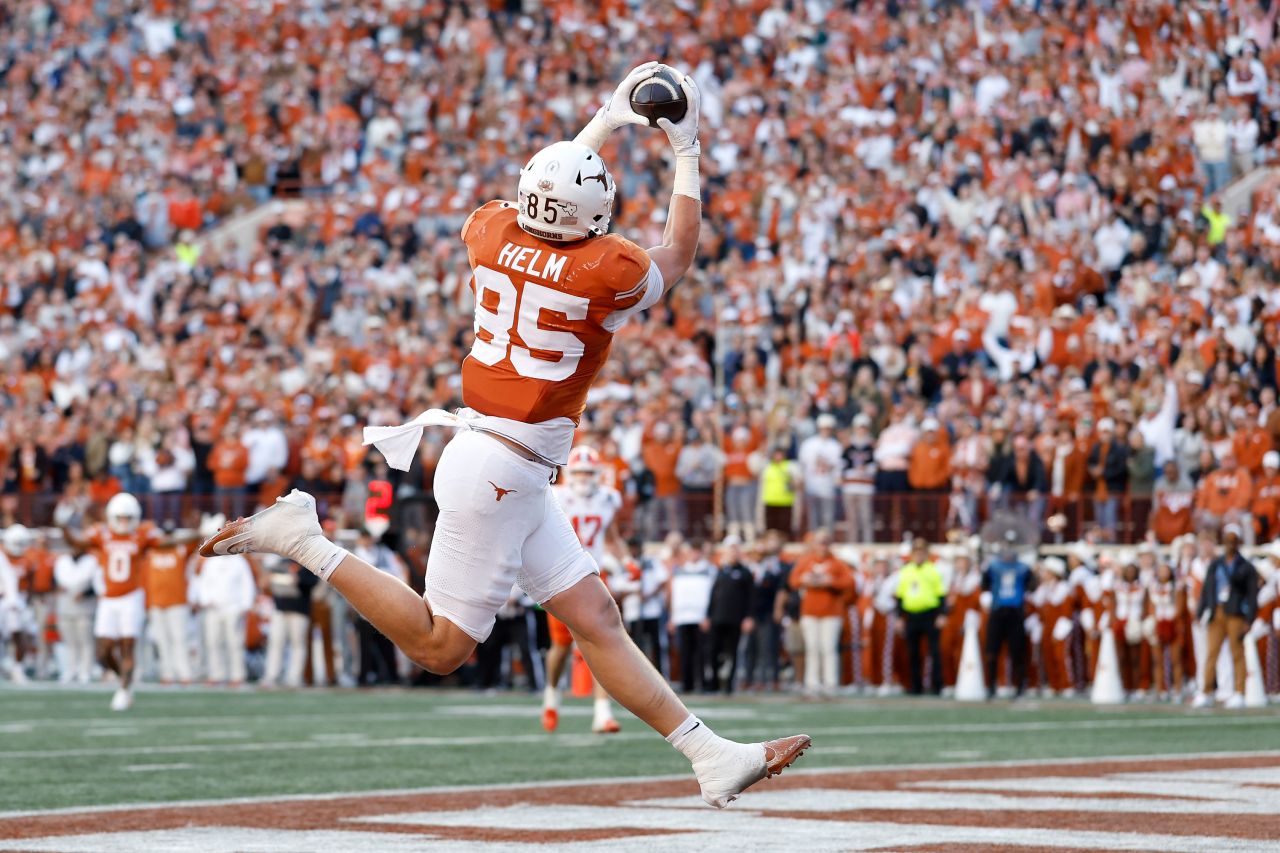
x: 122, y: 545
x: 591, y: 508
x: 552, y: 287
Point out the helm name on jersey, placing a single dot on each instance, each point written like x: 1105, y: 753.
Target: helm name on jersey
x: 525, y: 260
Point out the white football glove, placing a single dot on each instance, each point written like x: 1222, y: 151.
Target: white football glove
x: 616, y: 111
x: 684, y: 134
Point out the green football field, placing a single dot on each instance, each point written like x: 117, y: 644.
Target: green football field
x: 62, y: 748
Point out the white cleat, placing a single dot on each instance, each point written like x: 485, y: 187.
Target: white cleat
x: 279, y: 529
x: 122, y: 700
x: 1235, y: 702
x: 738, y: 766
x: 1202, y: 700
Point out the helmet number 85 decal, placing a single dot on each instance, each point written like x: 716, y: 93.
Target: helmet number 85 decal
x: 502, y: 307
x: 549, y: 207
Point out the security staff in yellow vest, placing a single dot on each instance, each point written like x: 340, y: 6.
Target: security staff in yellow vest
x: 922, y: 600
x: 778, y: 492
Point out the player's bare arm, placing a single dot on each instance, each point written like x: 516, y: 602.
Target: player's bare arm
x: 684, y: 217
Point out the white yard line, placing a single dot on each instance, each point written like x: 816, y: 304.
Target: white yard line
x: 621, y: 780
x: 341, y: 741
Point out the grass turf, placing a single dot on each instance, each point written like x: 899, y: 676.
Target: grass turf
x: 62, y: 748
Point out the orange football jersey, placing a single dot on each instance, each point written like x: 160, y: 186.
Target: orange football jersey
x: 545, y: 315
x: 121, y: 556
x: 166, y: 575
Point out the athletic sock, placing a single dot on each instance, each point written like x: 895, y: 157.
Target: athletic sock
x: 694, y: 738
x: 603, y: 709
x: 551, y: 698
x: 318, y: 555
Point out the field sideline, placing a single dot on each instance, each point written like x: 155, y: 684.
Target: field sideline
x: 63, y: 748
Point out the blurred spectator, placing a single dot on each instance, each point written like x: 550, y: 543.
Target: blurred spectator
x: 922, y: 596
x: 698, y: 467
x: 778, y: 484
x: 692, y: 576
x: 166, y: 581
x: 820, y: 468
x: 730, y: 612
x: 378, y: 663
x: 73, y: 572
x: 858, y: 484
x: 661, y: 454
x: 223, y: 590
x: 1228, y: 604
x: 1224, y: 495
x: 824, y: 583
x: 1108, y: 467
x: 646, y: 626
x: 743, y: 463
x: 289, y: 633
x: 1009, y: 581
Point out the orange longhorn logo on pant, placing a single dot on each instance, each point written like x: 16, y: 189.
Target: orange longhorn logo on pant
x: 499, y: 492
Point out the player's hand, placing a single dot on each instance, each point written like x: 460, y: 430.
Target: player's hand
x: 617, y: 111
x: 684, y: 135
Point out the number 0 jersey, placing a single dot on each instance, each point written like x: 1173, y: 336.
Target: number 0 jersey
x: 590, y: 514
x: 545, y: 318
x: 121, y: 555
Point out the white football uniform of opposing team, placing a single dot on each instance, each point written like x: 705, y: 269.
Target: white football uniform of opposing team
x: 591, y: 513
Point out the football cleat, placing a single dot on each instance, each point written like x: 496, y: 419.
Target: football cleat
x: 122, y: 700
x: 738, y: 766
x: 1234, y: 702
x: 281, y: 528
x: 606, y: 727
x: 550, y: 719
x: 1202, y: 700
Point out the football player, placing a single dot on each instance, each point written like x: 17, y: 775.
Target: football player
x: 15, y: 616
x: 591, y: 508
x: 552, y: 286
x: 121, y: 544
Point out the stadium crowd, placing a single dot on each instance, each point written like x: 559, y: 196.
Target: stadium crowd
x: 952, y: 255
x: 957, y: 259
x: 754, y: 617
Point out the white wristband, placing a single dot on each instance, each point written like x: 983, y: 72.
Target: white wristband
x: 687, y: 181
x: 594, y: 134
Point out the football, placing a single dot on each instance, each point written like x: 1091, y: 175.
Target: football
x: 659, y: 96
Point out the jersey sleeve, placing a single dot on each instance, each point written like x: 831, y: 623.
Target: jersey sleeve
x: 638, y: 284
x: 479, y: 217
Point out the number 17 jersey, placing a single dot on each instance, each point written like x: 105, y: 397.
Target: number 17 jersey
x: 545, y: 317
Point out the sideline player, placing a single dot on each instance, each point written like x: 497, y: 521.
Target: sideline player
x: 591, y: 507
x: 552, y: 286
x: 121, y: 544
x: 15, y: 614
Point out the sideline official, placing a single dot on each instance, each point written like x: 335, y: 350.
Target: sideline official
x: 922, y: 598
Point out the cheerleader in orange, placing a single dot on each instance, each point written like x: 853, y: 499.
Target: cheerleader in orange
x: 1166, y: 602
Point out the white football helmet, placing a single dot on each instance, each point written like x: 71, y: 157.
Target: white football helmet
x: 584, y: 470
x: 124, y: 513
x: 565, y: 193
x: 17, y: 539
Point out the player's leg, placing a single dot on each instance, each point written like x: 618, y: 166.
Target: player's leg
x: 557, y: 658
x: 106, y: 650
x: 561, y: 575
x: 126, y: 647
x: 490, y: 500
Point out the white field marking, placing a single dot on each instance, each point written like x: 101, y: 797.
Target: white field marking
x: 478, y: 740
x: 832, y: 800
x: 152, y: 768
x: 111, y: 731
x: 16, y: 728
x: 961, y: 754
x: 1235, y: 786
x: 220, y: 734
x: 624, y: 780
x: 703, y: 829
x: 836, y: 749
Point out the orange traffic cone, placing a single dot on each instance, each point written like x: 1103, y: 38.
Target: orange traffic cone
x: 580, y: 682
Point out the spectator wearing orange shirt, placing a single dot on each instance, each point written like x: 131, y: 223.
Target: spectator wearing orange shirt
x: 169, y: 614
x: 660, y: 455
x: 742, y: 463
x: 825, y: 585
x: 228, y: 461
x: 1266, y: 499
x: 1224, y: 497
x: 930, y: 466
x: 1251, y: 442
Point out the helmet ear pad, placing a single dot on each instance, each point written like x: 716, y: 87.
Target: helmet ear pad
x: 565, y: 193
